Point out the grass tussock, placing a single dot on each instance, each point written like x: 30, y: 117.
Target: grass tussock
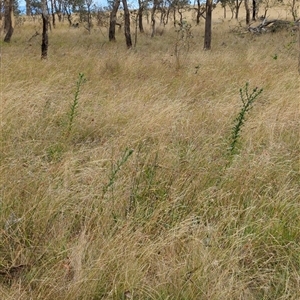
x: 124, y: 187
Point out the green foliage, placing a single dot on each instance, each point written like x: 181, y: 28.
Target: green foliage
x: 144, y: 189
x: 17, y: 10
x: 116, y: 168
x: 74, y: 105
x: 35, y: 7
x: 247, y: 100
x: 54, y: 152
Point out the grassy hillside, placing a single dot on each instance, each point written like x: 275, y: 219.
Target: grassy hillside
x: 128, y: 190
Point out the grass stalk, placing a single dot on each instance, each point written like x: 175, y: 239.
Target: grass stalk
x: 74, y: 105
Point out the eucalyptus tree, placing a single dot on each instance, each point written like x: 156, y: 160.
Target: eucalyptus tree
x: 153, y: 11
x: 200, y: 10
x: 165, y: 10
x: 35, y: 7
x: 254, y: 10
x: 223, y: 4
x: 8, y: 19
x: 208, y: 22
x: 67, y: 10
x: 53, y: 12
x: 114, y: 6
x: 299, y: 47
x: 45, y: 17
x: 179, y: 6
x: 237, y: 7
x: 127, y: 24
x: 28, y: 10
x: 58, y: 5
x: 234, y: 6
x: 85, y: 10
x: 143, y: 4
x: 1, y: 9
x: 247, y: 8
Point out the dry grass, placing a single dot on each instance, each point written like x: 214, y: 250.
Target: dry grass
x: 179, y: 219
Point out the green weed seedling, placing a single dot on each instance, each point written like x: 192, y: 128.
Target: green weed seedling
x: 116, y: 168
x: 247, y: 100
x: 74, y: 105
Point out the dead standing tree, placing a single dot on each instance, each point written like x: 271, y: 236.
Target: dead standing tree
x: 45, y: 18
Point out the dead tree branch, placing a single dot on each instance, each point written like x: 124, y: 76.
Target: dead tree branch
x: 273, y: 25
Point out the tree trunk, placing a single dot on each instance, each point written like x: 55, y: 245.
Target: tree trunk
x: 136, y: 17
x: 294, y: 9
x: 45, y: 18
x: 162, y: 15
x: 237, y: 8
x: 198, y: 12
x: 28, y: 12
x: 167, y: 16
x: 253, y: 10
x: 232, y: 12
x: 8, y: 25
x: 49, y: 14
x: 207, y: 35
x: 89, y: 16
x: 174, y: 16
x: 299, y: 47
x: 140, y: 16
x: 153, y: 18
x: 69, y: 16
x: 127, y: 24
x: 247, y: 12
x: 53, y: 13
x: 113, y: 20
x: 58, y: 9
x: 180, y: 16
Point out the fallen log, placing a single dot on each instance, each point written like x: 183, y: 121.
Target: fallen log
x: 273, y: 26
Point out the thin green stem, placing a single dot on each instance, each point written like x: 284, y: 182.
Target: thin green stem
x: 247, y: 100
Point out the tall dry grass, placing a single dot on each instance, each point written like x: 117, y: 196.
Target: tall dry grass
x: 83, y: 218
